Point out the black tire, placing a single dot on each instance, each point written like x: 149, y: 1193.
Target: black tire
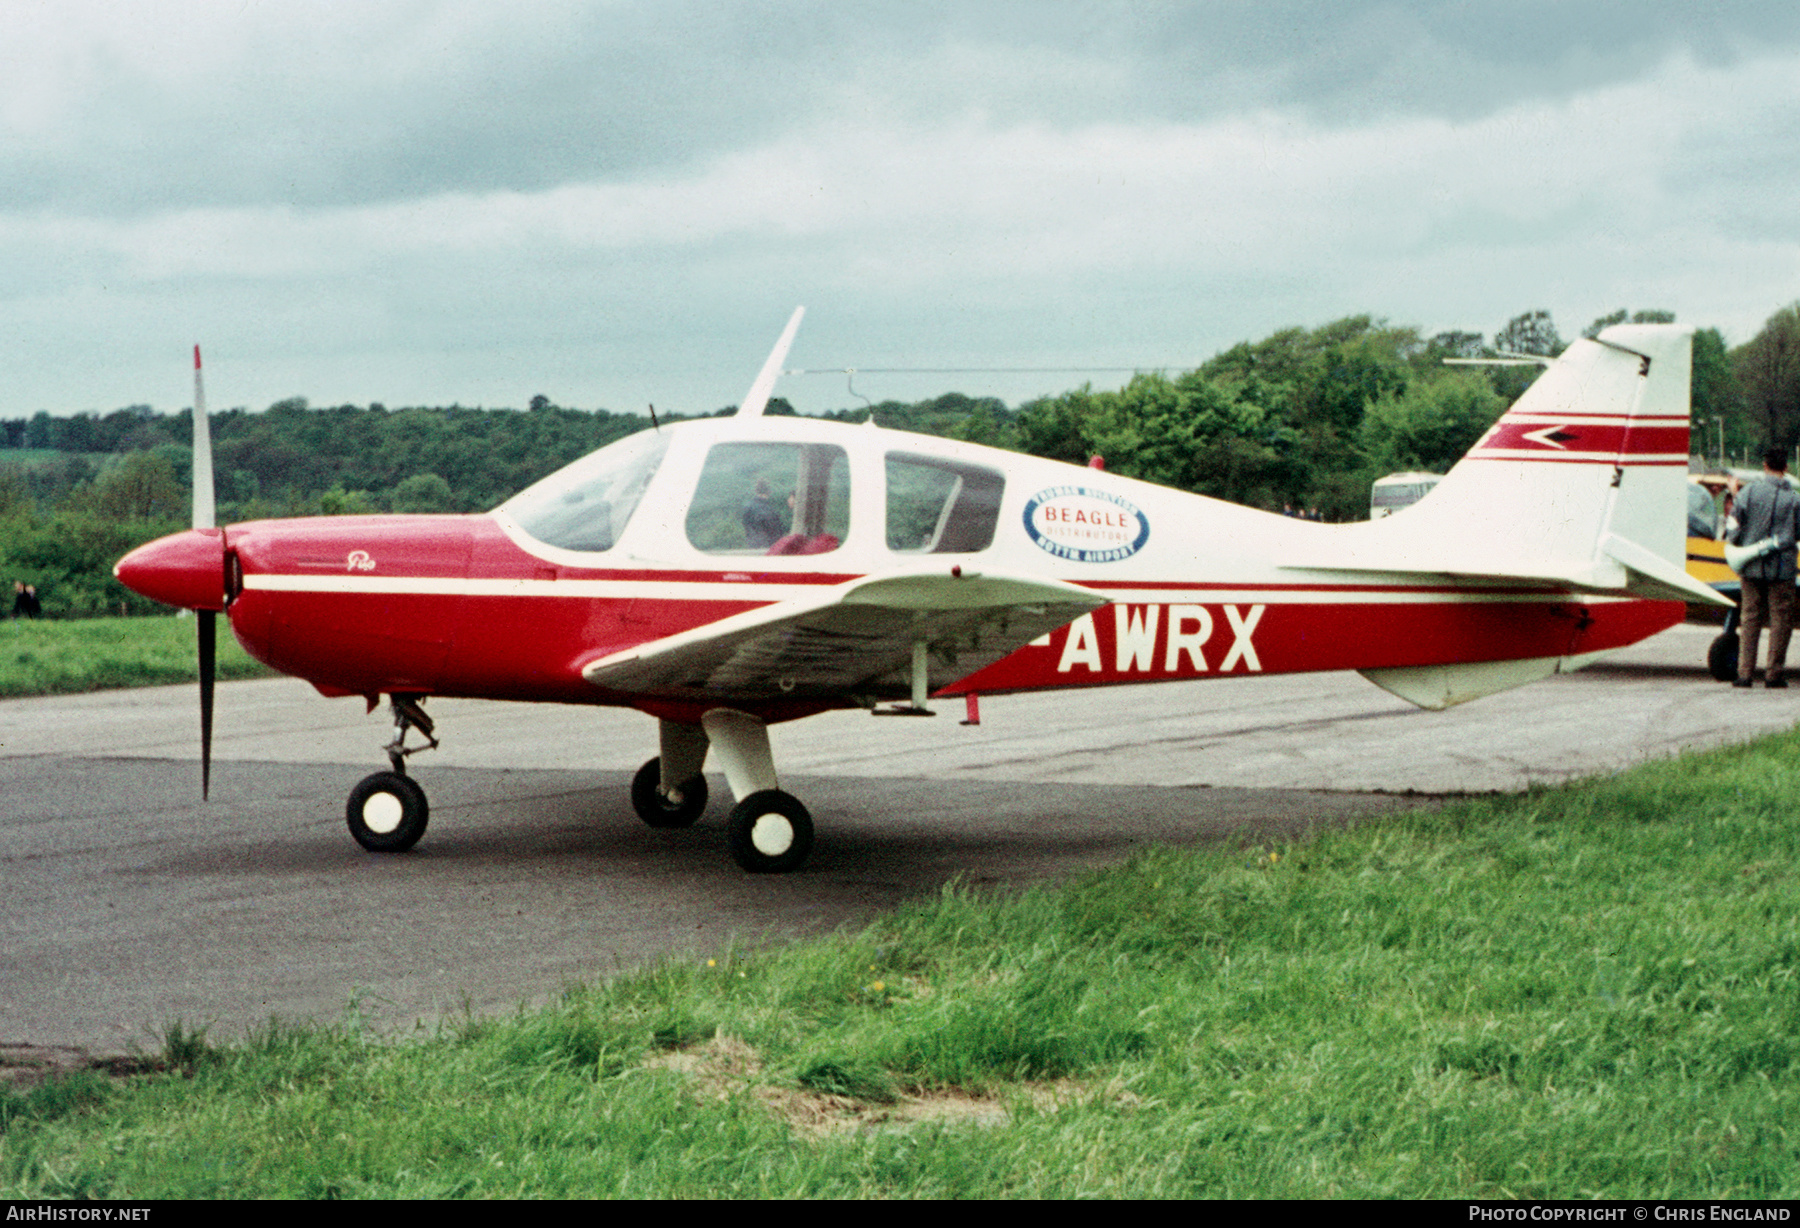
x: 387, y: 813
x: 654, y: 808
x: 770, y: 832
x: 1722, y: 657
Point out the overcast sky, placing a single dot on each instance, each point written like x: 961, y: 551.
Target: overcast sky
x: 619, y: 203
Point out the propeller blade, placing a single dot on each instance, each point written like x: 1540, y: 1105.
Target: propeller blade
x: 208, y: 620
x: 758, y: 396
x: 205, y: 517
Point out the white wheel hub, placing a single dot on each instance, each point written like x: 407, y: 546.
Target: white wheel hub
x: 772, y: 834
x: 382, y: 812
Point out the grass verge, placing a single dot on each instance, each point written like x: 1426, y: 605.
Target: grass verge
x: 1591, y: 990
x: 61, y: 657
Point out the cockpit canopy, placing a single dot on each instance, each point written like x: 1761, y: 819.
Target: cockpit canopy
x: 766, y: 496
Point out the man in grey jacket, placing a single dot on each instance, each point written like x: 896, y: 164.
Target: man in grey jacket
x: 1767, y: 508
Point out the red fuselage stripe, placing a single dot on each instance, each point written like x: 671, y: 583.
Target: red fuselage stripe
x: 448, y: 644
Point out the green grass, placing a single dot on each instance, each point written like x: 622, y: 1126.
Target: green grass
x: 1589, y: 991
x: 56, y: 657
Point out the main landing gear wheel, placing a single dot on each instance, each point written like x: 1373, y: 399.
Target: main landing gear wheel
x: 387, y: 813
x: 770, y: 832
x: 1722, y: 657
x: 656, y: 809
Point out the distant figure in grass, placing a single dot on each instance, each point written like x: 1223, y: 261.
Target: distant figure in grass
x: 1767, y: 509
x: 25, y: 600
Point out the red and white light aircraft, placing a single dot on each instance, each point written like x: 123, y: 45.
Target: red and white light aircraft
x: 726, y: 575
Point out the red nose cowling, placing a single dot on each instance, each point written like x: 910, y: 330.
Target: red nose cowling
x: 183, y: 569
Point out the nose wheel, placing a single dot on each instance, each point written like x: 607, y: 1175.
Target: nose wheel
x: 387, y: 813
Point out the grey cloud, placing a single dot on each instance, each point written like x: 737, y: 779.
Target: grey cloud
x: 518, y: 100
x: 1745, y: 178
x: 428, y: 99
x: 1349, y: 62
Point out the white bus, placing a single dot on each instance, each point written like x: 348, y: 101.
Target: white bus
x: 1398, y: 490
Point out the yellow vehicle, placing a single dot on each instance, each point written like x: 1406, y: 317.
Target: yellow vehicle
x: 1709, y: 498
x: 1707, y: 493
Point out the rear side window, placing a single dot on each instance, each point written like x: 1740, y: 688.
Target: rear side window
x: 940, y: 507
x: 771, y: 498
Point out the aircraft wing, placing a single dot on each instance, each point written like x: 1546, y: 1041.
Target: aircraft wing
x: 853, y: 639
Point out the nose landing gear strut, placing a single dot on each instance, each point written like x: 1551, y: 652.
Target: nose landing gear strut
x: 387, y: 812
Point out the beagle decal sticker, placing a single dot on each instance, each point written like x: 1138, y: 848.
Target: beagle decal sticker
x: 1085, y: 525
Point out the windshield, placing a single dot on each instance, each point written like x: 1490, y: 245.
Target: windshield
x: 586, y: 505
x: 1702, y: 517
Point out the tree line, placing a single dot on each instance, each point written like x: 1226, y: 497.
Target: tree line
x: 1311, y: 417
x: 1303, y: 417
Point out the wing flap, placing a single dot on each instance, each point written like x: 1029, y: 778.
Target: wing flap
x: 855, y: 639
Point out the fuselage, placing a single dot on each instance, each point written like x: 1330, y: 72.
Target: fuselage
x: 671, y: 534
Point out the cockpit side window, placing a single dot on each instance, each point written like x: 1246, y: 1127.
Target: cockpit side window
x: 771, y: 498
x: 586, y: 505
x: 937, y: 506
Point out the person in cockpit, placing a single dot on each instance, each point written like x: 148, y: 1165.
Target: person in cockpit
x: 763, y: 521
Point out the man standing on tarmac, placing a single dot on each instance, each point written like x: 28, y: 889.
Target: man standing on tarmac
x: 1767, y: 508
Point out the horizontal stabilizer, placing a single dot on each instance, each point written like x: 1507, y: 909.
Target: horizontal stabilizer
x: 1654, y: 577
x: 856, y: 638
x: 1628, y: 570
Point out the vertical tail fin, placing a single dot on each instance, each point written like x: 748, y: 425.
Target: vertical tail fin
x: 1596, y: 448
x: 1582, y: 482
x: 1581, y: 485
